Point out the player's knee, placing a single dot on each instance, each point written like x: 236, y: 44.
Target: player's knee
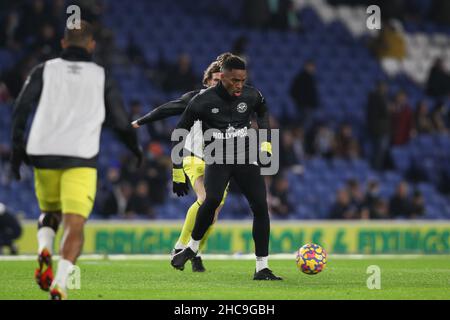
x: 74, y: 222
x: 260, y: 208
x: 50, y: 219
x: 201, y: 197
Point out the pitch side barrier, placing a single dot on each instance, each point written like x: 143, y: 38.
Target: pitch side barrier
x: 235, y: 237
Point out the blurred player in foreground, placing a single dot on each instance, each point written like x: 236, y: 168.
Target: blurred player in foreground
x: 75, y: 96
x: 193, y: 166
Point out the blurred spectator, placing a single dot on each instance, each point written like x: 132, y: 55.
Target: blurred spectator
x: 135, y: 53
x: 59, y: 15
x: 400, y: 204
x: 15, y: 77
x: 324, y: 141
x: 438, y: 118
x: 291, y: 150
x: 438, y: 83
x: 283, y: 15
x: 159, y: 130
x: 372, y: 195
x: 256, y: 13
x: 140, y: 203
x: 423, y: 123
x: 346, y: 146
x: 9, y: 31
x: 417, y: 205
x: 10, y: 230
x: 355, y: 193
x: 156, y: 172
x: 390, y: 42
x: 402, y: 120
x: 379, y: 210
x: 304, y: 91
x: 114, y: 196
x: 342, y: 208
x: 105, y: 52
x: 182, y: 77
x: 357, y: 199
x: 279, y: 201
x: 239, y: 47
x: 47, y: 43
x: 136, y: 111
x: 379, y: 125
x: 92, y: 9
x: 34, y: 16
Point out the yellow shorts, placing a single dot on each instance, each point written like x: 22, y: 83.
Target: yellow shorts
x: 194, y: 168
x: 67, y: 190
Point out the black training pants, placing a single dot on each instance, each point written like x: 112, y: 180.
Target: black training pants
x: 248, y: 178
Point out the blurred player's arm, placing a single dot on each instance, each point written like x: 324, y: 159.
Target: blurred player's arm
x: 23, y: 107
x: 118, y: 119
x: 190, y: 115
x: 169, y: 109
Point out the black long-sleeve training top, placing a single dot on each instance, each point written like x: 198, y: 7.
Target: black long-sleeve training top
x: 228, y: 116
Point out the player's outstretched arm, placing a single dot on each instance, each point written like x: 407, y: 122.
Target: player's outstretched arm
x: 28, y: 97
x: 118, y: 120
x: 169, y: 109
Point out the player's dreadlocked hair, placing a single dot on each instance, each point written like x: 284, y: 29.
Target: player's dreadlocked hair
x: 223, y: 57
x: 231, y: 61
x: 215, y: 66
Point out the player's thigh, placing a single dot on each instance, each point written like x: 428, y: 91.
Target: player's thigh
x: 217, y: 177
x: 78, y: 189
x: 47, y: 185
x: 251, y: 182
x: 199, y: 188
x: 194, y: 168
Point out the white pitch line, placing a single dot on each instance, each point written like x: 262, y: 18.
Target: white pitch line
x: 277, y: 256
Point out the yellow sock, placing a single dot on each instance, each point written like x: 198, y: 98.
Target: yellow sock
x: 205, y: 238
x: 189, y: 223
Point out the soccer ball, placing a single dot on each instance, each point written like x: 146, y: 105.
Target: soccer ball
x: 311, y: 258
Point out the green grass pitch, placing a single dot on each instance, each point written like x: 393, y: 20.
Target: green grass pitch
x: 425, y: 277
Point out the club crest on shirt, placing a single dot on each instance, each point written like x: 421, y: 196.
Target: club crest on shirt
x: 215, y: 110
x: 242, y: 107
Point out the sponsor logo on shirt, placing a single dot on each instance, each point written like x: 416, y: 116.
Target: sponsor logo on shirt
x: 231, y: 133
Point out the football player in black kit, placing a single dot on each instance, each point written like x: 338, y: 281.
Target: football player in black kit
x: 227, y: 109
